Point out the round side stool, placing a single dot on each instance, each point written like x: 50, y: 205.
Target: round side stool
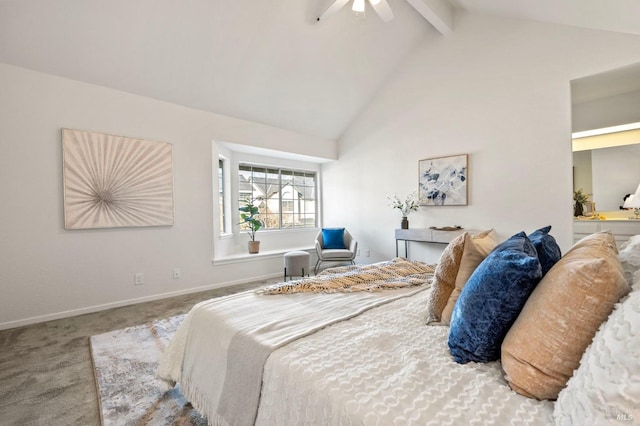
x: 296, y: 263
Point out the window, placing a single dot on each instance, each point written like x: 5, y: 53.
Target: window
x: 221, y: 205
x: 286, y: 198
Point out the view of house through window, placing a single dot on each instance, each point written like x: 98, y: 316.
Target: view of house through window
x: 285, y: 198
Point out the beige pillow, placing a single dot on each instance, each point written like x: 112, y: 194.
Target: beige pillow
x: 605, y: 386
x: 545, y: 344
x: 476, y: 248
x: 444, y: 277
x: 603, y: 240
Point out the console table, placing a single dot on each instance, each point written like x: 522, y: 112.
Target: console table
x: 425, y: 235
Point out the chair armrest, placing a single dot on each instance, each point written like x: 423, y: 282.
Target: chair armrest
x: 353, y: 247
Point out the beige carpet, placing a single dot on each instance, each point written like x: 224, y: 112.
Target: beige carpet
x: 125, y: 363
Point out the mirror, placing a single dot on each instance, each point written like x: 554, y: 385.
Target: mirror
x: 611, y: 170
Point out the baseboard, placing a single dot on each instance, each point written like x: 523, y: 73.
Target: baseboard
x: 97, y: 308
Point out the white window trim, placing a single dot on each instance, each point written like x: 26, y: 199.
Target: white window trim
x: 226, y: 179
x: 231, y: 246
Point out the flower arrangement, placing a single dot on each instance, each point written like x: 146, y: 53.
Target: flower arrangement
x: 580, y: 197
x: 409, y: 205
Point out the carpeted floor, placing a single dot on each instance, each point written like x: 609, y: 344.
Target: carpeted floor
x: 46, y: 373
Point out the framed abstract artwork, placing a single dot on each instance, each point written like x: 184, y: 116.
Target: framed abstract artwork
x: 443, y: 181
x: 116, y: 181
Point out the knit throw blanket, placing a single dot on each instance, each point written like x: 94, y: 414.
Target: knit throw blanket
x: 396, y: 273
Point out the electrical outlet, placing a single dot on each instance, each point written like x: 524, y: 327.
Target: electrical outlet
x: 358, y: 252
x: 177, y: 273
x: 138, y: 278
x: 367, y: 253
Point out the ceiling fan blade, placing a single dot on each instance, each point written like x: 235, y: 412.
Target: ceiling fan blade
x: 332, y: 9
x: 383, y: 9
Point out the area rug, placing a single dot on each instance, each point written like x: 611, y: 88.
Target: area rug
x: 125, y: 363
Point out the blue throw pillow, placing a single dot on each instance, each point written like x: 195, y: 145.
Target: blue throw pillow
x: 492, y: 299
x: 546, y: 247
x: 333, y: 238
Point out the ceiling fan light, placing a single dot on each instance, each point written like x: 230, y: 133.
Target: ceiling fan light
x: 374, y: 2
x: 358, y: 6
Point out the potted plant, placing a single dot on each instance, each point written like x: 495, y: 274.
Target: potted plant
x: 251, y: 224
x: 580, y: 198
x: 409, y: 205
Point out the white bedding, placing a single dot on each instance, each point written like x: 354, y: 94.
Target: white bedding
x: 385, y: 367
x: 217, y: 355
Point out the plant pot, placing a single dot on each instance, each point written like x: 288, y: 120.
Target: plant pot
x: 578, y: 209
x: 254, y: 247
x: 405, y: 223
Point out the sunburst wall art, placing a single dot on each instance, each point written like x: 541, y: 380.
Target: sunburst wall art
x: 443, y: 181
x: 115, y: 181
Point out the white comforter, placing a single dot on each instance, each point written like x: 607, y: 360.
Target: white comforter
x: 386, y: 367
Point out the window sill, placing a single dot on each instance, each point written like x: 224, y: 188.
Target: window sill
x: 263, y: 255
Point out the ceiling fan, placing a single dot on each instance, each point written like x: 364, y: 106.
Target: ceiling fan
x: 380, y: 6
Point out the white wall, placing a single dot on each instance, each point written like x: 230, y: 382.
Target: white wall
x: 496, y: 89
x: 582, y: 175
x: 606, y: 112
x: 616, y: 172
x: 47, y: 272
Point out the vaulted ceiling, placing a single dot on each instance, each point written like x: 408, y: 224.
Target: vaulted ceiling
x: 268, y: 61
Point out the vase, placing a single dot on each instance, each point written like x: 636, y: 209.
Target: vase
x: 405, y: 223
x: 254, y: 247
x: 578, y: 209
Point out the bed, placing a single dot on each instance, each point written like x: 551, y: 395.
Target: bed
x: 385, y: 367
x: 350, y: 346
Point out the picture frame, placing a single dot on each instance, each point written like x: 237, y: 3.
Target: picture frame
x: 116, y: 181
x: 443, y: 181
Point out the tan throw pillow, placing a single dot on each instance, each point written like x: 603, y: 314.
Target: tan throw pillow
x: 603, y: 240
x: 605, y: 386
x: 560, y: 318
x: 444, y: 277
x: 476, y: 248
